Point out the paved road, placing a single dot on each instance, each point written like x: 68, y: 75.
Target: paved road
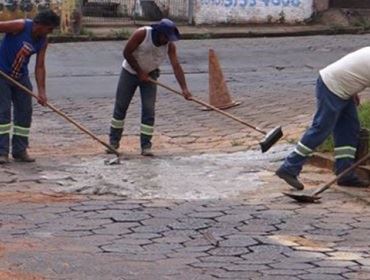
x: 273, y: 77
x: 252, y: 66
x: 209, y: 206
x: 250, y: 233
x: 256, y: 234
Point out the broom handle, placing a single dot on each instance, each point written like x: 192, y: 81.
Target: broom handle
x: 210, y: 107
x: 340, y: 175
x: 60, y: 113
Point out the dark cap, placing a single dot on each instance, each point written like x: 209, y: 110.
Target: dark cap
x: 168, y: 28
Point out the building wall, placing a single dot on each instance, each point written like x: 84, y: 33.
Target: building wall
x: 321, y: 5
x: 176, y: 9
x: 12, y: 9
x: 252, y: 11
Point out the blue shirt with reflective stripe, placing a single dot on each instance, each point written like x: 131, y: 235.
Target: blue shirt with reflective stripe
x: 16, y: 50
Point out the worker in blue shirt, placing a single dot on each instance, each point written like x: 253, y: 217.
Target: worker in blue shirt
x: 22, y: 39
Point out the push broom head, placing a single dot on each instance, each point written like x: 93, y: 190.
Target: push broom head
x: 271, y: 138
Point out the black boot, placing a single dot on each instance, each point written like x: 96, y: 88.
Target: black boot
x: 290, y: 179
x: 4, y: 159
x: 23, y: 157
x: 353, y: 182
x: 147, y: 152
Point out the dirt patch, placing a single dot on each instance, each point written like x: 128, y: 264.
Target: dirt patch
x: 162, y: 144
x: 334, y: 17
x: 130, y: 145
x: 2, y: 250
x: 20, y: 245
x: 301, y: 243
x: 7, y: 275
x: 31, y: 197
x: 17, y: 247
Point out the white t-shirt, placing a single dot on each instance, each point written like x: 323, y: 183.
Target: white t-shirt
x: 148, y: 55
x: 349, y: 75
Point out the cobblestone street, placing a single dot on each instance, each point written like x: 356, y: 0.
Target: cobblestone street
x: 208, y: 206
x: 257, y: 234
x: 274, y: 78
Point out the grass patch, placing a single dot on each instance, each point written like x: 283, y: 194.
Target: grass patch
x: 236, y: 143
x: 364, y: 116
x: 202, y: 36
x: 364, y: 113
x: 335, y: 28
x: 327, y: 146
x: 87, y: 32
x: 363, y: 23
x: 121, y: 33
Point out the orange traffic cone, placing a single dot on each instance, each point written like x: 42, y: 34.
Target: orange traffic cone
x: 218, y: 93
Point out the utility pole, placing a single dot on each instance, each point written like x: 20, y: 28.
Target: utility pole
x: 190, y: 11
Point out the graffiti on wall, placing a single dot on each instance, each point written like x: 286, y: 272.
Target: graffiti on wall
x: 12, y: 9
x: 251, y: 3
x: 252, y: 11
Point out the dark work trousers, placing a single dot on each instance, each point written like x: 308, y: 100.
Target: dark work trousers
x: 22, y: 116
x: 333, y: 115
x: 127, y: 85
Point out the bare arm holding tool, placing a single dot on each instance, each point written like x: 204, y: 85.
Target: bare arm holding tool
x: 23, y: 39
x: 179, y: 73
x: 40, y: 74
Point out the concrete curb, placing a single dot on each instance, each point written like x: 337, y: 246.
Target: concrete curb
x: 325, y: 161
x: 194, y: 33
x: 278, y: 33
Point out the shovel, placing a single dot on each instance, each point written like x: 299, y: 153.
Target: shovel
x: 60, y: 113
x: 270, y: 138
x: 313, y: 197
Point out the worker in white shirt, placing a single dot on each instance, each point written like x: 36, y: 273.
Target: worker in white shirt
x: 337, y: 91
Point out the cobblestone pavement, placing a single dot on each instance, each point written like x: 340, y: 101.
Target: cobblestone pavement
x: 258, y: 234
x: 208, y: 206
x: 274, y: 79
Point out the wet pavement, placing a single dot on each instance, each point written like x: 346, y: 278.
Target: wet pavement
x: 195, y: 177
x: 54, y: 225
x: 208, y: 206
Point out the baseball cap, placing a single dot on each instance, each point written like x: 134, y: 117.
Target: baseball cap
x: 168, y: 28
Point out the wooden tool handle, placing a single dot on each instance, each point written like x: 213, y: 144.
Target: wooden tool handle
x: 60, y: 113
x: 340, y: 175
x: 210, y: 107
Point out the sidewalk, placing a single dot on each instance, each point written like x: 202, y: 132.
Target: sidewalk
x: 213, y: 32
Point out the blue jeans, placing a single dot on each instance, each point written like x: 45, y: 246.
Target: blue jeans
x: 127, y: 85
x: 333, y: 115
x: 22, y: 116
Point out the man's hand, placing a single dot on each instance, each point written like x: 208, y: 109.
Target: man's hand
x: 186, y: 93
x: 357, y: 100
x: 143, y: 77
x: 42, y: 99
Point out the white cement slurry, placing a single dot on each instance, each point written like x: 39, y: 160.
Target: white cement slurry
x: 206, y: 176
